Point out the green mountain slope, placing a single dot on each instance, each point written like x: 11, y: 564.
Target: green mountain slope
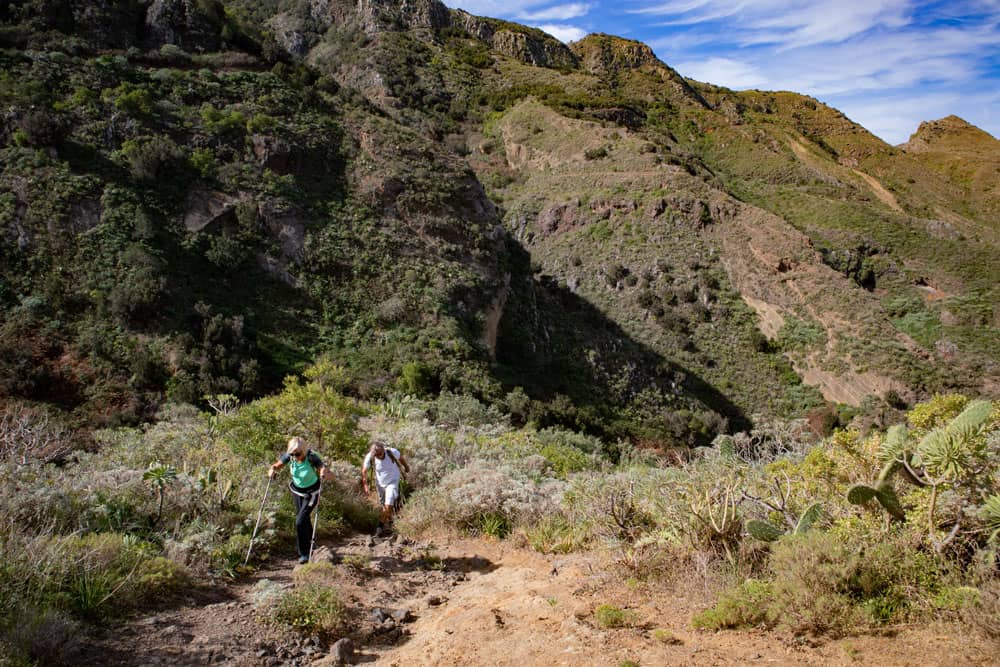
x: 198, y: 197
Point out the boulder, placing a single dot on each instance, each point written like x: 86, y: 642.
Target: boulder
x: 557, y: 216
x: 203, y: 208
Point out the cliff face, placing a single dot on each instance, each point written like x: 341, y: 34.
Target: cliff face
x: 118, y: 24
x: 949, y: 133
x: 528, y: 45
x: 611, y: 58
x: 603, y: 54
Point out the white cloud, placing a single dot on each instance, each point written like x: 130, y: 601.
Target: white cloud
x: 724, y: 72
x: 557, y: 12
x: 789, y: 23
x: 494, y: 7
x: 895, y: 117
x: 564, y: 33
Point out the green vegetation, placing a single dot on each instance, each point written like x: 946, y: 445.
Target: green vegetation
x: 311, y: 608
x: 610, y: 616
x: 207, y: 246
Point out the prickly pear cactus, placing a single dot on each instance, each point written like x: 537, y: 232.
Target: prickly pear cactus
x: 768, y: 532
x: 764, y: 531
x: 808, y: 518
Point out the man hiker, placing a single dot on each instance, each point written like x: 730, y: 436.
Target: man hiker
x: 307, y: 471
x: 387, y: 461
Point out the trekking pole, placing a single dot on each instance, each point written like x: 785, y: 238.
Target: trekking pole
x: 260, y: 512
x: 315, y: 522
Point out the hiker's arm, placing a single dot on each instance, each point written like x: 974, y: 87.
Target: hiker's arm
x: 402, y: 462
x: 278, y: 465
x: 364, y: 474
x: 324, y: 473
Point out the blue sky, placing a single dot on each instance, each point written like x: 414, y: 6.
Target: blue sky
x: 887, y: 64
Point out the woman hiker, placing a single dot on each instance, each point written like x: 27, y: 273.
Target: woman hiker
x: 386, y: 461
x: 307, y: 472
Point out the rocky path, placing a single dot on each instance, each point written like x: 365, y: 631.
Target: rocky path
x: 472, y: 602
x: 386, y: 583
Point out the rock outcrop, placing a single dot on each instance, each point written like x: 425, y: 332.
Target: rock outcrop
x: 514, y: 41
x: 184, y: 24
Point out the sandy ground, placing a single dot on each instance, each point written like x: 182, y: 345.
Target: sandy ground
x: 476, y: 602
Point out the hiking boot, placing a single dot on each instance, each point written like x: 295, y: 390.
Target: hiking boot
x: 303, y: 560
x: 379, y: 531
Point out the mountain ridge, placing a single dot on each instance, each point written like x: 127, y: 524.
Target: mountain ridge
x: 519, y: 183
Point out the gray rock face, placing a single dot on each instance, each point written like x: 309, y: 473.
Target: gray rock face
x: 204, y: 208
x: 378, y: 15
x: 179, y: 22
x: 558, y: 216
x: 293, y: 34
x: 106, y: 23
x: 287, y: 226
x: 272, y: 153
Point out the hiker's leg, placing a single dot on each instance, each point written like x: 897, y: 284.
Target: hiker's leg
x: 383, y: 516
x: 303, y: 525
x: 391, y: 496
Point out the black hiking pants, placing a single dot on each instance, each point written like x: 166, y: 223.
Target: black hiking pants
x: 305, y: 501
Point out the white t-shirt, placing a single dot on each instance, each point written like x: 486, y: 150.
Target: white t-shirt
x: 386, y: 472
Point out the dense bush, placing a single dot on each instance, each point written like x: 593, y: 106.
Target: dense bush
x: 312, y: 608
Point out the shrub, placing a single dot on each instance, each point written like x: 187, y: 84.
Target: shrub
x: 555, y: 534
x: 313, y: 608
x: 317, y: 573
x: 325, y: 418
x: 480, y: 496
x: 223, y: 122
x: 595, y: 153
x: 984, y: 613
x: 610, y: 616
x: 745, y: 606
x: 203, y: 161
x: 160, y: 577
x: 132, y: 101
x: 463, y: 410
x: 824, y: 584
x: 417, y: 378
x: 150, y: 158
x: 40, y: 637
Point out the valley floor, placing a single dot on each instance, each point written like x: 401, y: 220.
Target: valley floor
x: 474, y: 602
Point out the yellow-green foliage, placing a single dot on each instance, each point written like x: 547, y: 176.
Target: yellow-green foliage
x: 320, y: 572
x: 744, y: 606
x: 160, y: 576
x: 557, y: 535
x: 936, y: 412
x: 313, y: 410
x: 815, y: 475
x: 610, y: 616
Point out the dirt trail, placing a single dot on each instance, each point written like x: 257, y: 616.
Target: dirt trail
x: 472, y: 602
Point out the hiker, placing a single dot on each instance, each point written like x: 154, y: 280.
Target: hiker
x: 307, y: 471
x: 387, y: 461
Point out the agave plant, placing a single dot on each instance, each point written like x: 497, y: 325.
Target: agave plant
x: 991, y: 513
